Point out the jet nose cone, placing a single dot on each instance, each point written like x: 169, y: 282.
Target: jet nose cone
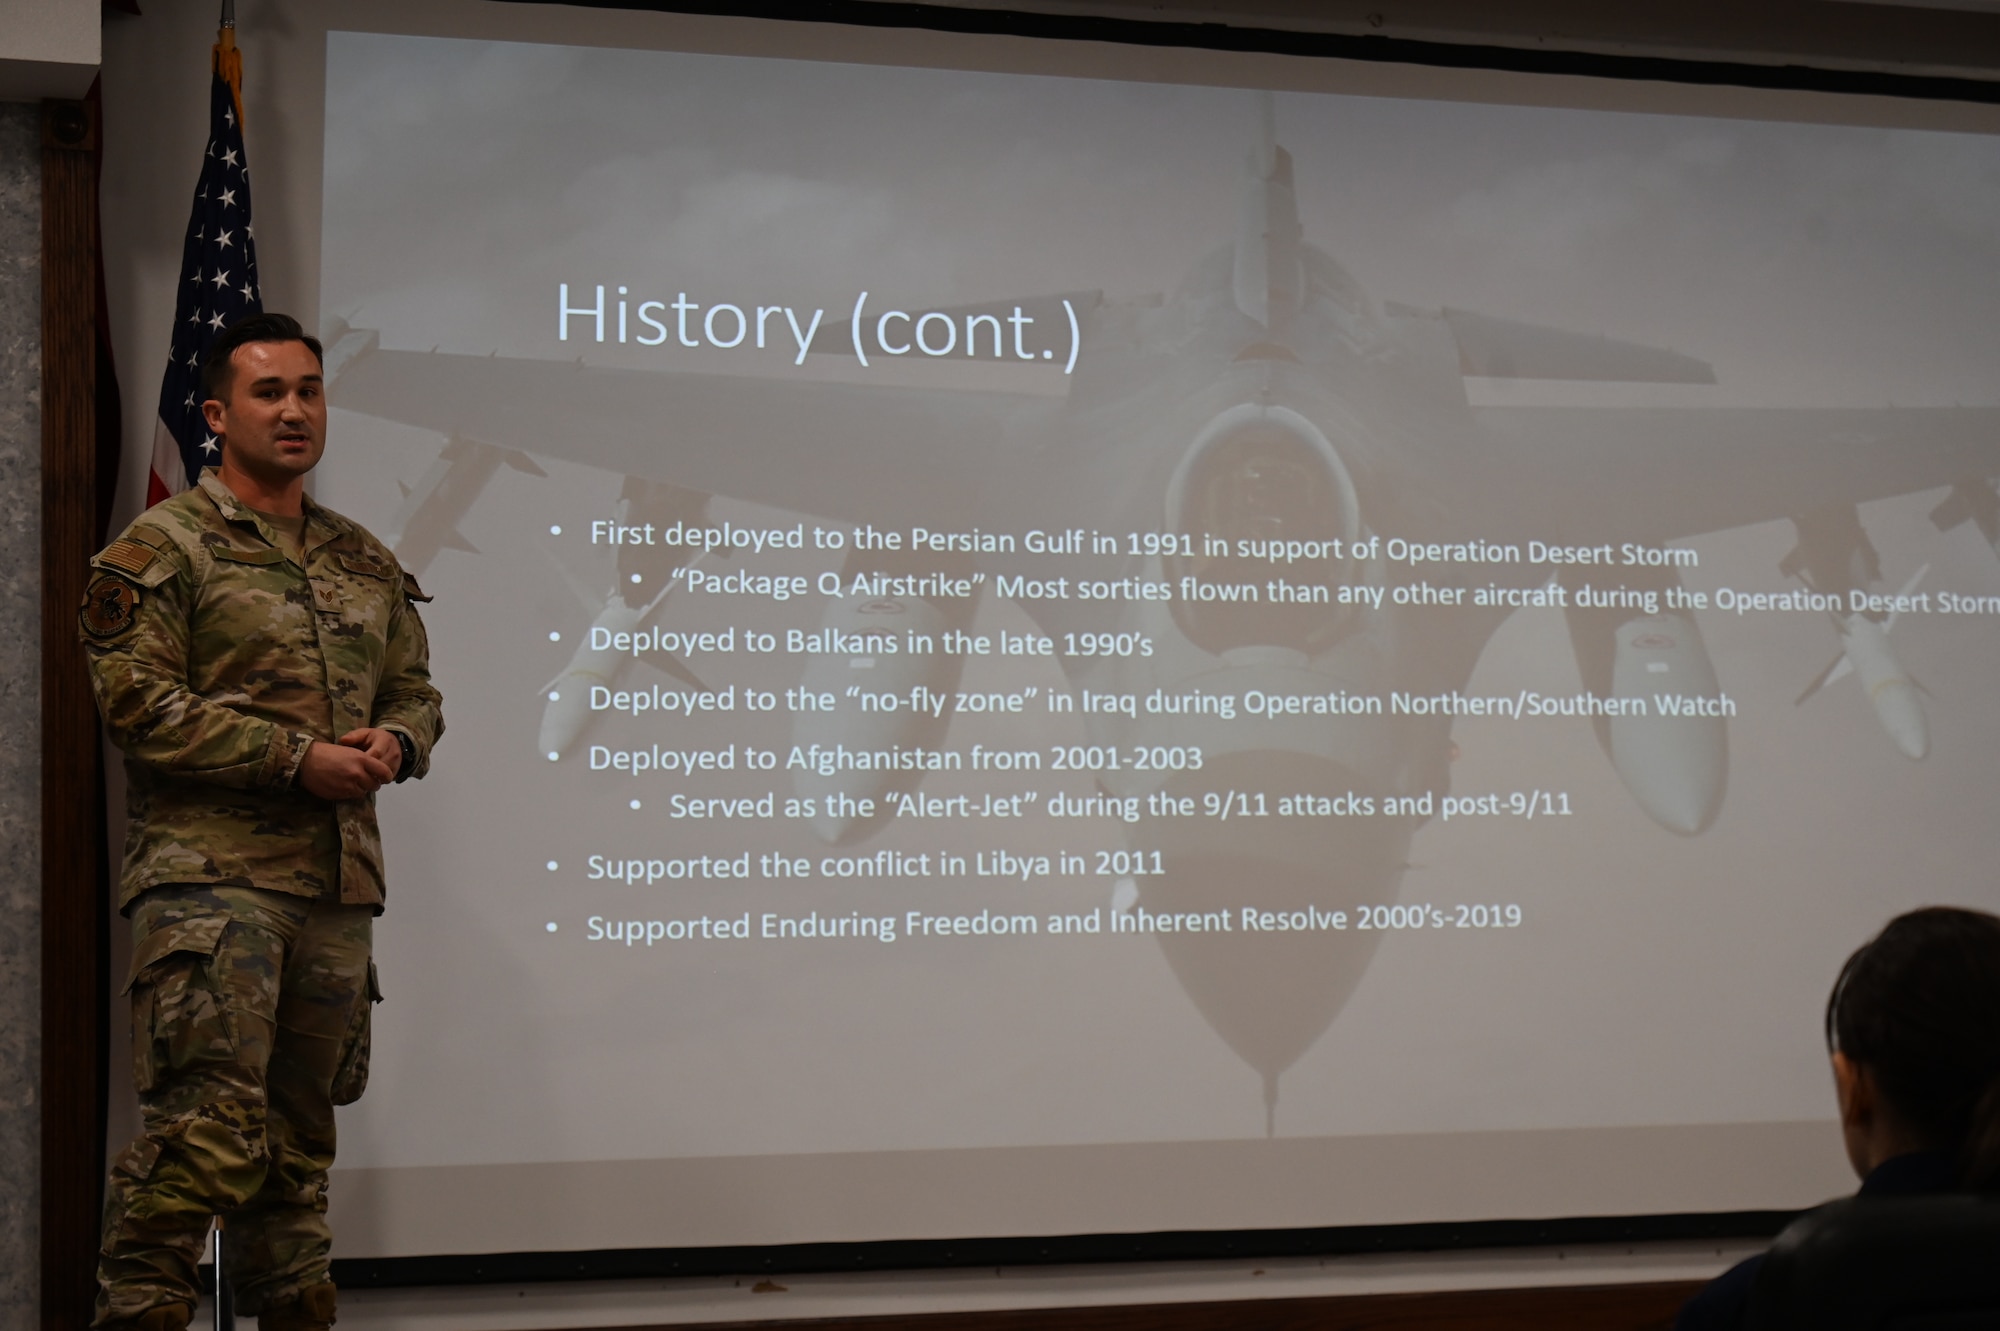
x: 1272, y: 981
x: 1275, y: 980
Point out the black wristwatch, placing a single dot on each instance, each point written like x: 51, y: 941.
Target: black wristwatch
x: 409, y: 766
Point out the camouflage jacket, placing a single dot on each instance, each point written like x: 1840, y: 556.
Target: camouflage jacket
x: 217, y: 661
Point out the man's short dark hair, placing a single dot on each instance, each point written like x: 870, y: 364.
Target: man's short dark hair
x: 216, y: 369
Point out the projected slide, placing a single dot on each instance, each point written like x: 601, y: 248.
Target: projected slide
x: 989, y: 613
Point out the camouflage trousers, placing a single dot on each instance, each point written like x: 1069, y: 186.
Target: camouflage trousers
x: 250, y: 1022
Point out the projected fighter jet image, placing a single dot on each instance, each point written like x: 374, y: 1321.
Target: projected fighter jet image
x: 1273, y: 537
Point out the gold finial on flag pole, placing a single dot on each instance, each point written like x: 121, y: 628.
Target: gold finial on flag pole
x: 229, y: 60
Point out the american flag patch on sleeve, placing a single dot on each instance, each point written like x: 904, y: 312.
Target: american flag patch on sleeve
x: 128, y: 556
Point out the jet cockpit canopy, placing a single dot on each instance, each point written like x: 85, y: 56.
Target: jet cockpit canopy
x: 1262, y: 496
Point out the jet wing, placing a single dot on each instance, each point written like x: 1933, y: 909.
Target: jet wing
x: 1508, y: 349
x: 843, y: 451
x: 1655, y: 473
x: 1490, y: 348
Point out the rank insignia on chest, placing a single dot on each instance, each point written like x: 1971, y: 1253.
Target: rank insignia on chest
x: 110, y: 607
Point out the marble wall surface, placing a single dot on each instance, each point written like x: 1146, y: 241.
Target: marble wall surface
x: 20, y: 711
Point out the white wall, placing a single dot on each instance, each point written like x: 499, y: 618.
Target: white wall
x: 48, y: 48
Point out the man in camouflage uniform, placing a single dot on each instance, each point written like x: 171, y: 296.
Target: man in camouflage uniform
x: 260, y: 661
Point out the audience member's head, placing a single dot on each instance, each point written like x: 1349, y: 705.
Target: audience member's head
x: 1914, y: 1028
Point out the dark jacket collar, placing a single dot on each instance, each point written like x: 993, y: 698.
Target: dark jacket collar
x: 1917, y: 1172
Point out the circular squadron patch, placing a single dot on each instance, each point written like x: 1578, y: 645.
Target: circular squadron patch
x: 110, y: 606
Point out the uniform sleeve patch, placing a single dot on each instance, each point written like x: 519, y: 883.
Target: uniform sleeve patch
x: 128, y: 556
x: 110, y: 608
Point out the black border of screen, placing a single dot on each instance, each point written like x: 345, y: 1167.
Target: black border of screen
x: 1181, y: 1245
x: 1057, y: 1250
x: 1378, y: 49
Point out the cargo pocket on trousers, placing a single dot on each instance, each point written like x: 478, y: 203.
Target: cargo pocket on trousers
x: 352, y: 1078
x: 130, y: 1169
x: 179, y: 1016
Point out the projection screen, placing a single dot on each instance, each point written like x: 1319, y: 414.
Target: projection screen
x: 1029, y: 653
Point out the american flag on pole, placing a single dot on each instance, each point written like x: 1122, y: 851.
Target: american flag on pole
x: 218, y: 283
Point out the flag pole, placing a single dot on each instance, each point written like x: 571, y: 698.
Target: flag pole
x: 225, y: 1297
x: 228, y: 64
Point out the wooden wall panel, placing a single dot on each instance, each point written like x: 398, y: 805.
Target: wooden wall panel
x: 74, y: 905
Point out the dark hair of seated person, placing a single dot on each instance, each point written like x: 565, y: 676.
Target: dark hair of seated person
x: 1913, y: 1028
x: 1914, y: 1025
